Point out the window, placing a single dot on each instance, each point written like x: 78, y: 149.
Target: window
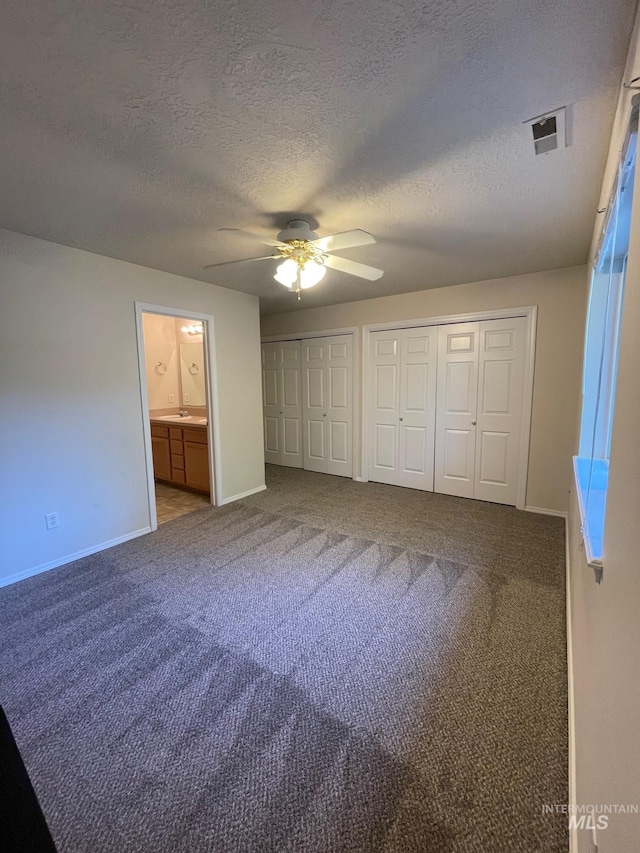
x: 591, y: 466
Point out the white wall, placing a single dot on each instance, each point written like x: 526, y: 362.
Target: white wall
x: 561, y: 299
x: 160, y: 345
x: 71, y: 434
x: 605, y: 617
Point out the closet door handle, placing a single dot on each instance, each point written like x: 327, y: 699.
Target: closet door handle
x: 282, y: 413
x: 474, y: 423
x: 324, y: 414
x: 401, y: 419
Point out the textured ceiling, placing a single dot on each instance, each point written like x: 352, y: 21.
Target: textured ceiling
x: 137, y: 128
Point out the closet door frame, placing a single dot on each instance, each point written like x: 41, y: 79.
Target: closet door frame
x: 529, y: 312
x: 356, y: 389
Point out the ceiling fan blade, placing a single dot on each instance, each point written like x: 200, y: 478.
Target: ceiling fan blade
x: 268, y: 241
x: 344, y: 240
x: 353, y: 268
x: 242, y: 261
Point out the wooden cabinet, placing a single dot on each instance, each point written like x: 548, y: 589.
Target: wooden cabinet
x: 161, y: 453
x: 181, y: 456
x: 196, y: 463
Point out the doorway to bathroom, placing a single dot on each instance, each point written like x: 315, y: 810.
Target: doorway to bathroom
x: 177, y: 388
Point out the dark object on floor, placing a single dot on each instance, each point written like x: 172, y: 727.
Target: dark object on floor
x: 23, y: 828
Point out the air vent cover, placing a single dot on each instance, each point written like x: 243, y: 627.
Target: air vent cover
x: 548, y: 131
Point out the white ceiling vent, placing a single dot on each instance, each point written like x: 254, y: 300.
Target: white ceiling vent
x: 549, y: 131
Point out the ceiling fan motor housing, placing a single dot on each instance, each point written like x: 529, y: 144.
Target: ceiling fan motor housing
x: 297, y: 229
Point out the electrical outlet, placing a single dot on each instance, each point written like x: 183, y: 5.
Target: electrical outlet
x: 187, y: 398
x: 53, y: 520
x: 171, y: 398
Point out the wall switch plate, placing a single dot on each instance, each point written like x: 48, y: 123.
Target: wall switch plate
x: 187, y: 398
x: 171, y: 398
x: 53, y: 520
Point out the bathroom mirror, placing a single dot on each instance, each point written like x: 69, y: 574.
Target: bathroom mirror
x: 192, y: 374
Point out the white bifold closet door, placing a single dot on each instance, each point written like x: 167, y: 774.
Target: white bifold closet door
x: 401, y: 407
x: 327, y: 404
x: 479, y: 409
x: 282, y: 402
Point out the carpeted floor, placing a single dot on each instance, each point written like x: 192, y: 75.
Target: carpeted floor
x: 327, y: 666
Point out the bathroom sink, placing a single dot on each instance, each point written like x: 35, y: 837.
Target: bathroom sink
x: 174, y: 418
x: 190, y: 419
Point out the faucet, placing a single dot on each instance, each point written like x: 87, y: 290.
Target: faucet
x: 183, y: 413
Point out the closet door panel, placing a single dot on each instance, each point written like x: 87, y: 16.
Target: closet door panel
x: 458, y: 458
x: 385, y: 450
x: 291, y: 388
x: 314, y: 364
x: 493, y: 458
x: 315, y: 450
x: 414, y: 451
x: 271, y: 402
x: 271, y: 431
x: 339, y: 397
x: 383, y: 409
x: 315, y: 388
x: 327, y: 373
x: 290, y: 422
x: 501, y: 372
x: 418, y: 354
x: 456, y: 409
x: 270, y: 387
x: 401, y: 409
x: 282, y: 403
x: 339, y: 442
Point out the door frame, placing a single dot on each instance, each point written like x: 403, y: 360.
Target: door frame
x: 357, y: 380
x: 211, y: 390
x: 529, y: 312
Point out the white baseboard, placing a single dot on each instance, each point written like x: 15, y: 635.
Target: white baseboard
x: 242, y: 495
x: 542, y: 511
x: 361, y: 479
x: 62, y: 561
x: 573, y: 832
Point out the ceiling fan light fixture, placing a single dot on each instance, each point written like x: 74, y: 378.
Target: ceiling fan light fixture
x: 286, y: 273
x: 311, y: 274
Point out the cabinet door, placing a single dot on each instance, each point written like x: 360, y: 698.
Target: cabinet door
x: 161, y: 458
x: 196, y: 463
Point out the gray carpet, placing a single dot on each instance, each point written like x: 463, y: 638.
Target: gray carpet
x: 328, y: 666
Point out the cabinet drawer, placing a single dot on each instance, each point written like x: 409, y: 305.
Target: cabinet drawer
x: 177, y: 476
x: 177, y: 462
x: 199, y: 436
x: 175, y: 432
x: 159, y: 431
x: 177, y: 447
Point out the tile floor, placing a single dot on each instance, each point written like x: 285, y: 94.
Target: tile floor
x: 172, y: 502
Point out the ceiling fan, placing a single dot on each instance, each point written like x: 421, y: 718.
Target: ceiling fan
x: 305, y: 257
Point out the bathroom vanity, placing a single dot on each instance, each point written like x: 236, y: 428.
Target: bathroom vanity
x: 181, y: 453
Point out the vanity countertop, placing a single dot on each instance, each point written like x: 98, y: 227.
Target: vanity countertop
x: 192, y: 421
